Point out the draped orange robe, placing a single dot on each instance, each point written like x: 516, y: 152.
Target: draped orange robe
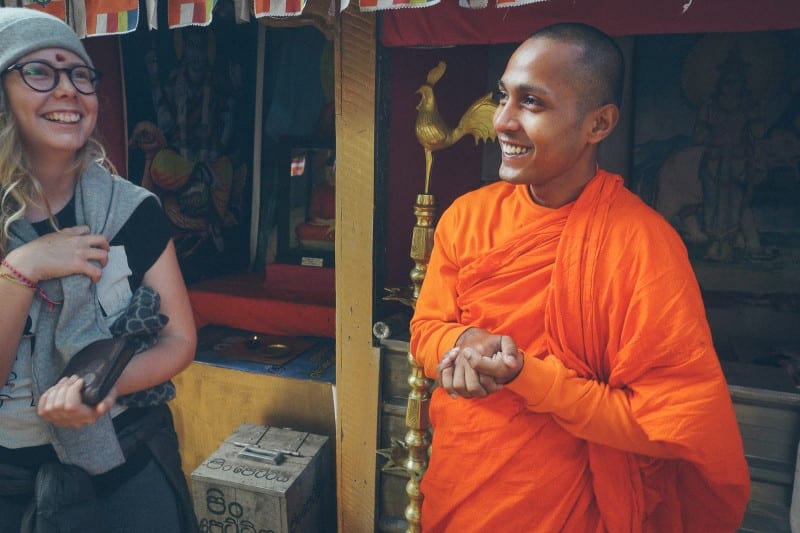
x: 621, y: 418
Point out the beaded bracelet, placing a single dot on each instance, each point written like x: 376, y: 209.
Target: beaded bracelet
x: 15, y: 281
x: 21, y: 279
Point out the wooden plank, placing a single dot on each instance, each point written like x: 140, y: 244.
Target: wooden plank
x: 357, y: 368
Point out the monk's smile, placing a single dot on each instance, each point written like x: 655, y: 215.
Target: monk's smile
x: 512, y: 150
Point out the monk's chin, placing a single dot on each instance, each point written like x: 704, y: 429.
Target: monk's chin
x: 514, y: 178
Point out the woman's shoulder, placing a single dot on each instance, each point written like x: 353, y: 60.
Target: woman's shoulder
x: 120, y: 184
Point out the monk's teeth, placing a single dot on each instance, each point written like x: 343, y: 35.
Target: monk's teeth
x: 509, y: 149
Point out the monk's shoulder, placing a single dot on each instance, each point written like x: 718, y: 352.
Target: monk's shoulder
x: 480, y: 201
x: 632, y: 220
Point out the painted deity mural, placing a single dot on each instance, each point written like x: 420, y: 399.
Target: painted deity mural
x: 190, y: 100
x: 717, y: 152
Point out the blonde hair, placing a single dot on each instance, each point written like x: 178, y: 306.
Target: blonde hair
x: 19, y: 188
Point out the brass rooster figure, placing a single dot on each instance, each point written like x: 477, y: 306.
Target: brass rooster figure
x: 432, y: 131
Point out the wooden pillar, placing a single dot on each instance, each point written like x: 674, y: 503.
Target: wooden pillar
x: 358, y: 362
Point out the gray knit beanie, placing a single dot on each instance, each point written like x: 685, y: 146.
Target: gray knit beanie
x: 24, y: 30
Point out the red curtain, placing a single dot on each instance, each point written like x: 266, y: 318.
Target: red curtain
x: 448, y: 24
x: 111, y: 127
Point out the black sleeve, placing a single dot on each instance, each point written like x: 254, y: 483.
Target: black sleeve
x: 145, y: 236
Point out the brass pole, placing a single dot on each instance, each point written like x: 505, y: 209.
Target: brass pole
x: 422, y: 240
x: 477, y: 121
x: 417, y: 442
x: 418, y: 437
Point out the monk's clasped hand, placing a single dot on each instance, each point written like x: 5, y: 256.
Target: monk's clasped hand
x: 457, y: 376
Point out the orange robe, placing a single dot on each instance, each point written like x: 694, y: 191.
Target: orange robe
x: 621, y: 418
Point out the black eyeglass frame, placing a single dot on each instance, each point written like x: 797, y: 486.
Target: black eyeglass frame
x: 95, y: 79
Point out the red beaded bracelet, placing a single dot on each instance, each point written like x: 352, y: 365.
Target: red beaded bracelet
x: 24, y: 280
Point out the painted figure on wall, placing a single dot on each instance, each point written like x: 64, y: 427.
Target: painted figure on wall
x: 710, y: 173
x: 190, y: 154
x: 728, y: 125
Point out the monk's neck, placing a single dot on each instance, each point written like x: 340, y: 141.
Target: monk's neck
x: 564, y: 189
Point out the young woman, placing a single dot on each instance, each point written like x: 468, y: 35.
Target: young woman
x: 76, y: 244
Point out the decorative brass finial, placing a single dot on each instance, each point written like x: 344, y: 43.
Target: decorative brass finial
x: 434, y: 134
x: 432, y: 131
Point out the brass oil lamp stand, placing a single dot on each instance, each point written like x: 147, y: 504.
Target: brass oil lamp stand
x: 412, y: 453
x: 418, y: 437
x: 434, y: 134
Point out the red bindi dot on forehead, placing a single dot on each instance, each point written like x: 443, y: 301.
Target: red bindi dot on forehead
x: 60, y: 57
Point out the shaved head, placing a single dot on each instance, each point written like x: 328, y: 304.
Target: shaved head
x: 599, y: 71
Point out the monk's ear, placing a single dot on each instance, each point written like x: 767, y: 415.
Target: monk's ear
x: 602, y: 122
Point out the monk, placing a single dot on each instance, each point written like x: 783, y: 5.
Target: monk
x: 579, y: 387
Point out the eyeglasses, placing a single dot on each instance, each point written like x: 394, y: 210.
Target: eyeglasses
x: 43, y: 77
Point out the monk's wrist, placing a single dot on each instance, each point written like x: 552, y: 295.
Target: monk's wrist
x: 466, y: 334
x: 534, y: 381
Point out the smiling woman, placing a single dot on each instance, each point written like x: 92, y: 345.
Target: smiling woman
x: 55, y: 113
x: 79, y: 246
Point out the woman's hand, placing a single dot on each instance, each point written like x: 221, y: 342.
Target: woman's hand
x: 69, y: 251
x: 61, y: 404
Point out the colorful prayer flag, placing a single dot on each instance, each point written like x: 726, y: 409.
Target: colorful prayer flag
x: 152, y: 14
x: 57, y: 8
x: 279, y: 8
x: 515, y: 3
x: 182, y: 13
x: 111, y: 17
x: 379, y: 5
x: 473, y: 4
x: 241, y: 9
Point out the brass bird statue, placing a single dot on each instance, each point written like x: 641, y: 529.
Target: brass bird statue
x: 434, y: 134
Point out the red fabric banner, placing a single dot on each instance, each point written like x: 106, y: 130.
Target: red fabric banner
x: 448, y: 24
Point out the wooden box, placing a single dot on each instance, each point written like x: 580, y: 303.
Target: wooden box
x: 767, y: 406
x: 266, y: 478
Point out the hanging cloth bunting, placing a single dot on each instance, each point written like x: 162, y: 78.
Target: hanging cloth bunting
x: 57, y: 8
x: 367, y: 6
x: 515, y: 3
x: 379, y: 5
x: 152, y: 14
x: 111, y: 17
x: 182, y: 13
x: 241, y: 11
x: 279, y: 8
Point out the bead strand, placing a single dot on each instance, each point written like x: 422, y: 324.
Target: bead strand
x: 21, y: 279
x: 16, y: 281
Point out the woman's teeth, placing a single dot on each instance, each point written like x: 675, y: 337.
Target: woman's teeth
x: 67, y: 118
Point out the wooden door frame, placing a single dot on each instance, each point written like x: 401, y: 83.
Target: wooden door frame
x: 358, y: 361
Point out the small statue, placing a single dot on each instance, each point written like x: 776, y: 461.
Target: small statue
x: 319, y: 231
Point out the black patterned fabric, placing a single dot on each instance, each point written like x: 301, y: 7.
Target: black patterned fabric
x: 140, y: 324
